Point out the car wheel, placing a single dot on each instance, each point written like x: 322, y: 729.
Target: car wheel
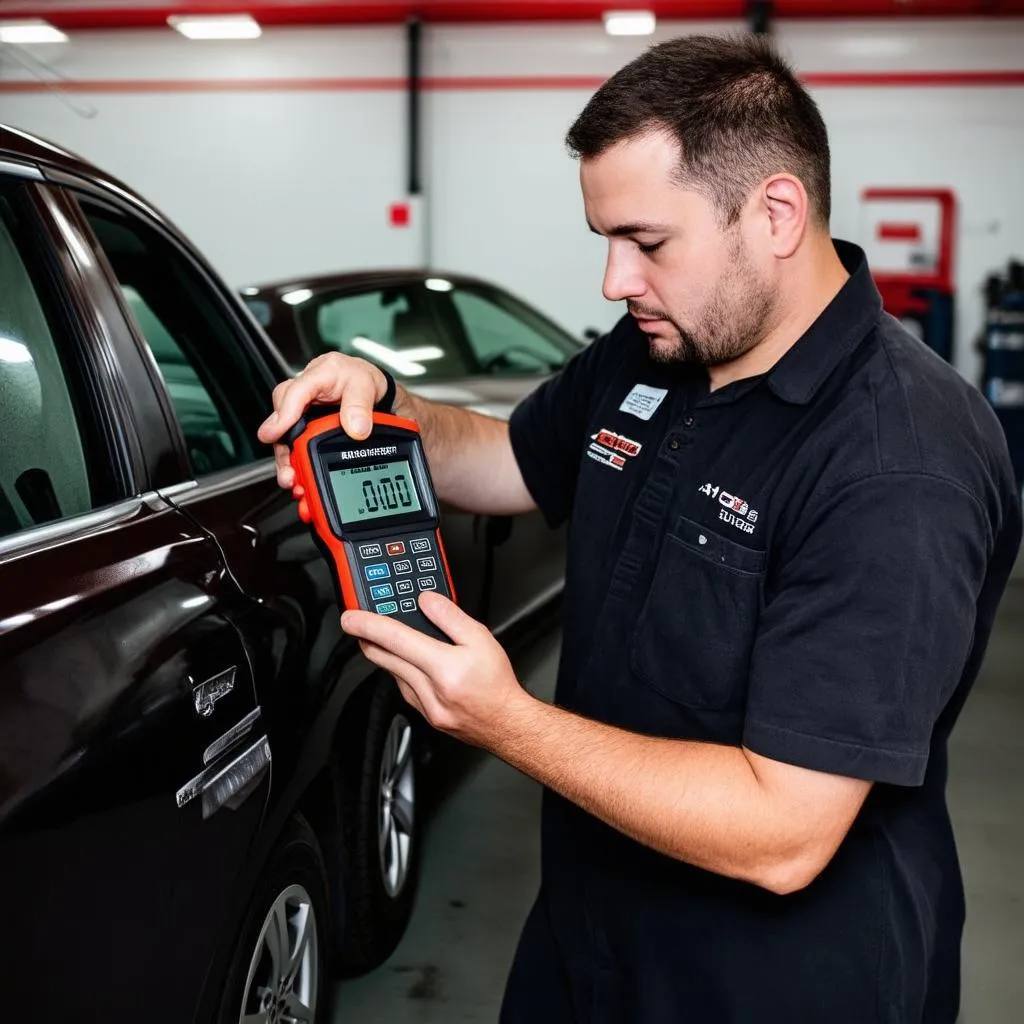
x: 278, y: 972
x: 381, y: 832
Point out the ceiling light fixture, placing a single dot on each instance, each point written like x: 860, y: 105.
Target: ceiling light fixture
x: 227, y: 26
x: 30, y: 30
x: 629, y: 23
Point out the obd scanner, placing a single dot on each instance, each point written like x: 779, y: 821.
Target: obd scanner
x: 373, y: 513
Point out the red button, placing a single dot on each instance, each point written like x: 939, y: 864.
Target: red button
x: 396, y: 548
x: 304, y: 511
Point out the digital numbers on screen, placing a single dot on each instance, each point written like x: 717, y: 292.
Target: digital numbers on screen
x: 370, y: 492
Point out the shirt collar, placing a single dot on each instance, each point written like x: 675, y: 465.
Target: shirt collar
x: 842, y: 325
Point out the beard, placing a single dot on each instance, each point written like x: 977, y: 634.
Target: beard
x: 733, y: 321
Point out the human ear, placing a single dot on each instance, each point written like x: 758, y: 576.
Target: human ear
x: 785, y: 201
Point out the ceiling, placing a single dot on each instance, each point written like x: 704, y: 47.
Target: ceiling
x: 110, y: 14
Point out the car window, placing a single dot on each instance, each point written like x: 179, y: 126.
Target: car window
x: 394, y: 326
x: 212, y: 385
x: 506, y: 336
x: 48, y: 439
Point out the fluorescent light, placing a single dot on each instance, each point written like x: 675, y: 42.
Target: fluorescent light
x: 298, y: 296
x: 250, y: 291
x: 228, y: 26
x: 629, y: 23
x: 407, y: 362
x: 30, y: 30
x: 12, y: 351
x: 438, y: 284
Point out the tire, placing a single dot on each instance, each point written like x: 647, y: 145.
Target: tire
x: 379, y: 797
x: 292, y: 891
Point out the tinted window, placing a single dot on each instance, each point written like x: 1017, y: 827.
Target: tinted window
x: 507, y: 336
x: 394, y: 326
x: 48, y: 439
x: 216, y: 392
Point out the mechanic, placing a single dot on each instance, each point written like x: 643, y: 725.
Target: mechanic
x: 790, y: 527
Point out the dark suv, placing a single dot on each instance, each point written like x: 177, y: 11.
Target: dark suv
x: 207, y: 795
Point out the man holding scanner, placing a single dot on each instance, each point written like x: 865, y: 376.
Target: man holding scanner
x: 790, y: 527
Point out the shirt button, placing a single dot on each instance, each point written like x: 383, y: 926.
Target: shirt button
x: 688, y: 420
x: 674, y: 444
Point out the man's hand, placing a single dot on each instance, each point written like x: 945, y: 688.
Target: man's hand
x: 467, y: 689
x: 333, y: 379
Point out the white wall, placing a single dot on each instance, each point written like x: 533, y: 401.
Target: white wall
x: 293, y: 169
x: 269, y: 182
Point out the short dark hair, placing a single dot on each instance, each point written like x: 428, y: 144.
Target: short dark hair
x: 736, y: 108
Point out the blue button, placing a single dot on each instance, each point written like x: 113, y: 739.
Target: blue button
x: 379, y: 571
x: 381, y: 591
x: 387, y: 608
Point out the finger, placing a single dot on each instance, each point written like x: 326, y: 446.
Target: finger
x: 451, y: 619
x: 283, y: 461
x: 407, y: 643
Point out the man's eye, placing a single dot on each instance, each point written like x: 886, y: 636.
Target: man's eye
x: 648, y: 249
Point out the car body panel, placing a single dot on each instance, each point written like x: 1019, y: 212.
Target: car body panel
x: 151, y: 643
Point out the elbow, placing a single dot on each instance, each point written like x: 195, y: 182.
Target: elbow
x: 784, y: 876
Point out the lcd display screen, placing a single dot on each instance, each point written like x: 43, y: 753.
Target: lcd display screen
x: 373, y: 492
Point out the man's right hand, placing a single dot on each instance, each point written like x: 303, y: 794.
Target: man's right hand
x: 331, y: 379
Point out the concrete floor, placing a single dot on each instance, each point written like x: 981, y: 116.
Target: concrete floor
x: 480, y: 868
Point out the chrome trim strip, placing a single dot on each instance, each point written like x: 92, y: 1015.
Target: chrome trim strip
x: 226, y: 480
x: 66, y: 528
x: 175, y: 489
x: 21, y: 170
x: 248, y: 763
x: 228, y: 739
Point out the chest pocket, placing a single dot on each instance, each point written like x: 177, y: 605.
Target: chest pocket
x: 695, y: 633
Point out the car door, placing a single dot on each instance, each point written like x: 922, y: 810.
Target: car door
x: 126, y: 801
x: 214, y: 373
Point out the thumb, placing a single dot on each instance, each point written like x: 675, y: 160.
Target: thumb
x: 450, y: 618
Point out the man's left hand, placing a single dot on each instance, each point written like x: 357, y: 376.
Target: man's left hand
x: 466, y: 688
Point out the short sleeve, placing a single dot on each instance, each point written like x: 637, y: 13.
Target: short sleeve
x: 868, y: 627
x: 548, y: 427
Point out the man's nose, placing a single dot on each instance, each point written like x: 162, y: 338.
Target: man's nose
x: 621, y: 279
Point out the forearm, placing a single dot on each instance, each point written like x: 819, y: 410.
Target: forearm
x: 471, y: 460
x: 701, y: 803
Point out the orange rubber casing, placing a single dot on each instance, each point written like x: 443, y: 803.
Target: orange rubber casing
x: 311, y: 504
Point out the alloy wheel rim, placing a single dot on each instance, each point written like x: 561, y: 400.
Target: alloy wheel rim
x: 283, y: 981
x: 396, y: 803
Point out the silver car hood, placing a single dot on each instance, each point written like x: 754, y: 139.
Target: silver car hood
x: 489, y: 395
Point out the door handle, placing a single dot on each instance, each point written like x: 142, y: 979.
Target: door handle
x: 228, y: 786
x: 205, y: 695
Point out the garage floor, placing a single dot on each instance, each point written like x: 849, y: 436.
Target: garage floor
x: 481, y: 863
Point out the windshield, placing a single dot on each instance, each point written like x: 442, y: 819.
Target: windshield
x: 434, y: 330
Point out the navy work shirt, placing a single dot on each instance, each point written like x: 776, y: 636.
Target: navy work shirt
x: 805, y: 563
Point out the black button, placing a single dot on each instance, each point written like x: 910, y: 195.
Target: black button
x: 674, y: 444
x: 688, y: 420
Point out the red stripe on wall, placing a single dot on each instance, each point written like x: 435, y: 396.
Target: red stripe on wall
x: 893, y: 232
x: 485, y: 83
x: 913, y: 79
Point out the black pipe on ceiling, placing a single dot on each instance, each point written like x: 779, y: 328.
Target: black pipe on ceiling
x: 414, y: 45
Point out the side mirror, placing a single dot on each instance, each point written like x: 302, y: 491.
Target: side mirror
x: 591, y: 333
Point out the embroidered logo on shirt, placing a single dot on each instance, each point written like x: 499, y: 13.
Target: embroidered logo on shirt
x: 610, y: 448
x: 619, y: 442
x: 735, y: 511
x: 643, y: 401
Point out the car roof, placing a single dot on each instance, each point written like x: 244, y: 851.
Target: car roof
x: 357, y: 279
